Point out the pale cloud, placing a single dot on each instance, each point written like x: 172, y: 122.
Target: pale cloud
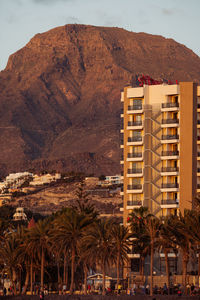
x: 167, y: 12
x: 72, y: 20
x: 46, y: 2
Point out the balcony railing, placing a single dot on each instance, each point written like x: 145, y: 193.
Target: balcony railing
x: 170, y: 137
x: 135, y: 139
x: 170, y: 121
x: 170, y: 104
x: 138, y: 123
x: 136, y: 154
x: 169, y: 185
x: 170, y: 153
x: 134, y: 187
x: 135, y: 107
x: 169, y: 169
x: 134, y: 171
x: 134, y: 203
x: 169, y: 201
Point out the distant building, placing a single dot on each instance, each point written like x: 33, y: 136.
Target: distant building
x: 114, y: 179
x: 19, y: 215
x: 43, y: 179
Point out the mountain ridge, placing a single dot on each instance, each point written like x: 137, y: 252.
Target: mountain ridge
x: 60, y: 95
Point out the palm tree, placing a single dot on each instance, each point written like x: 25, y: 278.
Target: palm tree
x: 121, y: 239
x: 193, y: 225
x: 99, y: 244
x: 152, y: 228
x: 166, y: 244
x: 70, y: 227
x: 9, y: 257
x: 38, y: 240
x: 141, y: 240
x: 181, y: 238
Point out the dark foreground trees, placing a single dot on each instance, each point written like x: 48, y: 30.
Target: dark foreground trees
x: 76, y: 240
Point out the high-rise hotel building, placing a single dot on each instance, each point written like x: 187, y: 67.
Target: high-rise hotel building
x: 161, y: 147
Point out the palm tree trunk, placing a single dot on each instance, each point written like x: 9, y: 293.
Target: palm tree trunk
x: 85, y: 279
x: 58, y: 271
x: 104, y: 279
x: 64, y: 268
x: 151, y: 269
x: 167, y: 270
x: 185, y: 262
x: 142, y: 266
x: 42, y: 269
x: 72, y: 270
x: 118, y: 266
x: 199, y: 265
x: 31, y: 272
x: 14, y: 281
x: 26, y: 282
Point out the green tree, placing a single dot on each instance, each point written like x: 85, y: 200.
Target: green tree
x: 141, y: 239
x: 38, y: 239
x: 70, y: 227
x: 99, y: 244
x: 166, y: 244
x: 121, y: 240
x: 152, y: 226
x: 179, y: 229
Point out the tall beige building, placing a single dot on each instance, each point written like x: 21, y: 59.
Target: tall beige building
x: 161, y: 147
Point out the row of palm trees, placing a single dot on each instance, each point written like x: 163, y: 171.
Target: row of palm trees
x: 170, y: 234
x: 76, y: 237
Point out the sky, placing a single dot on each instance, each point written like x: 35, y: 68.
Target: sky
x: 20, y: 20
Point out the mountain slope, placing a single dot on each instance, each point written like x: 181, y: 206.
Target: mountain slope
x: 60, y: 95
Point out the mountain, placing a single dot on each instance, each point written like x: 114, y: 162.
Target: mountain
x: 60, y: 95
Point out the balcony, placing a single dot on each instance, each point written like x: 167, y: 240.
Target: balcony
x: 198, y: 186
x: 169, y: 155
x: 136, y: 172
x: 170, y: 123
x: 135, y: 125
x: 169, y: 169
x: 198, y: 170
x: 135, y: 156
x: 198, y: 139
x: 198, y: 155
x: 134, y: 204
x: 169, y: 138
x: 169, y: 106
x: 134, y: 188
x: 138, y: 123
x: 135, y: 140
x: 135, y: 107
x: 169, y: 185
x: 170, y: 203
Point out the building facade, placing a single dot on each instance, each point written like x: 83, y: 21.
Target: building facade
x: 160, y: 147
